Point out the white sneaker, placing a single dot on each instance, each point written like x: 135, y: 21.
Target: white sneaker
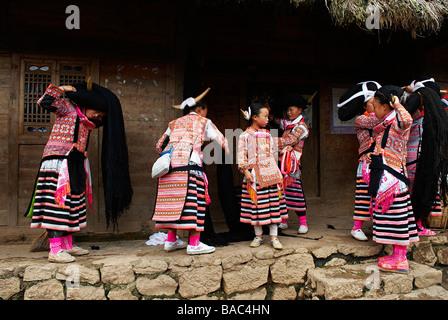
x: 61, y: 257
x: 76, y: 251
x: 200, y: 249
x: 283, y: 226
x: 302, y: 229
x: 256, y: 242
x: 171, y: 246
x: 276, y: 244
x: 359, y: 235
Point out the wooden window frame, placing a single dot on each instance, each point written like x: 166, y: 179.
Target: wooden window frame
x: 60, y: 74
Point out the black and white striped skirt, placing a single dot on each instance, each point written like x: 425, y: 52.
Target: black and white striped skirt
x: 362, y: 199
x: 193, y: 213
x: 397, y: 225
x: 270, y: 207
x: 46, y: 213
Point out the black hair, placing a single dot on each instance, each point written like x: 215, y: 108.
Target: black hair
x: 202, y: 104
x: 432, y: 165
x: 382, y: 97
x: 255, y: 110
x: 385, y: 93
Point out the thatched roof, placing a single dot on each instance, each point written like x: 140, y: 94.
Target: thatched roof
x: 419, y: 17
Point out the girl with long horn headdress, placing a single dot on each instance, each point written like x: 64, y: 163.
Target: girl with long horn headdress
x: 64, y: 183
x: 393, y: 218
x: 357, y: 102
x: 182, y: 193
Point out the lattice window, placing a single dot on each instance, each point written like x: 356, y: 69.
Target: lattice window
x: 72, y: 73
x: 36, y: 80
x: 37, y: 76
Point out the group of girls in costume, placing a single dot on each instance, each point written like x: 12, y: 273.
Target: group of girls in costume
x: 403, y: 166
x: 401, y: 176
x: 182, y: 194
x: 63, y: 185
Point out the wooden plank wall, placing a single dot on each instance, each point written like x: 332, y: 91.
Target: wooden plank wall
x: 5, y: 79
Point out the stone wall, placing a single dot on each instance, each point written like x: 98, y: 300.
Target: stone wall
x: 329, y: 272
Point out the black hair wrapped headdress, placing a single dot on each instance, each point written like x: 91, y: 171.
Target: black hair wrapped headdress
x: 392, y: 90
x: 413, y: 100
x: 292, y: 100
x: 432, y: 164
x: 351, y: 102
x: 114, y: 154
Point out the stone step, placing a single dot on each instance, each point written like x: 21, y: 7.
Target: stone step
x: 366, y: 281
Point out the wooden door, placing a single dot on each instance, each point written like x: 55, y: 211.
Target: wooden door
x: 31, y: 125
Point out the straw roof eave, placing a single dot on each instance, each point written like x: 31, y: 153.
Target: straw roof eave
x: 419, y: 17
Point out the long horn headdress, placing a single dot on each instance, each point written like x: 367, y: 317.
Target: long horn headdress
x: 89, y: 83
x: 190, y: 101
x: 311, y: 98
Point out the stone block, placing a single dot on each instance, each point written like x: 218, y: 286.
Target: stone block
x: 424, y: 276
x: 423, y: 253
x: 86, y: 293
x: 150, y: 266
x: 162, y: 285
x: 338, y: 282
x: 284, y: 293
x: 39, y: 272
x: 248, y: 277
x: 442, y: 256
x: 9, y: 287
x: 200, y: 281
x: 46, y: 290
x: 292, y: 268
x: 117, y: 274
x: 79, y: 273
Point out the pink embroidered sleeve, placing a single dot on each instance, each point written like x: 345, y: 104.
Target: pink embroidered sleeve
x: 213, y: 133
x: 366, y: 122
x: 242, y: 154
x: 404, y: 118
x: 160, y: 143
x: 52, y: 101
x: 292, y: 138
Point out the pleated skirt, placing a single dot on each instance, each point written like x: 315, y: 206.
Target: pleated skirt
x: 397, y: 225
x: 47, y: 213
x: 362, y: 199
x: 295, y: 197
x: 271, y: 208
x: 193, y: 212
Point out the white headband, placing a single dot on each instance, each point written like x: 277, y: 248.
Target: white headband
x: 365, y: 92
x: 246, y: 114
x: 190, y: 102
x: 420, y: 84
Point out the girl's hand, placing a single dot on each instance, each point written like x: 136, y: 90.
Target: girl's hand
x: 368, y: 158
x: 286, y: 149
x: 248, y: 176
x: 67, y: 88
x: 394, y: 101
